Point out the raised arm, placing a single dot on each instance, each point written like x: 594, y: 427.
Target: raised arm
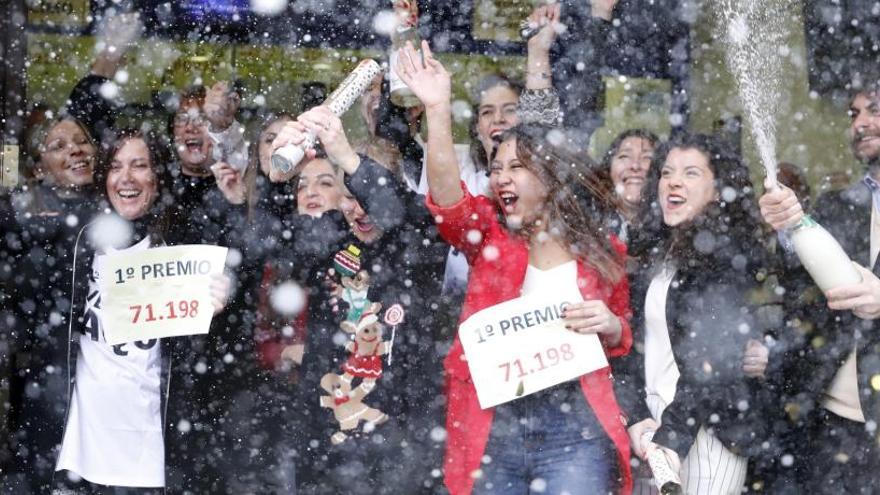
x: 86, y: 103
x: 221, y: 106
x: 539, y: 102
x: 118, y: 33
x: 430, y: 82
x: 579, y: 60
x: 546, y: 18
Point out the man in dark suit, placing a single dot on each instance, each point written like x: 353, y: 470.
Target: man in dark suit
x: 830, y: 368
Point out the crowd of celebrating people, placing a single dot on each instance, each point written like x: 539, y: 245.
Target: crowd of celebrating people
x: 302, y: 385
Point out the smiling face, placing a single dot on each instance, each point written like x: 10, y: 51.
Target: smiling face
x: 318, y: 188
x: 67, y: 157
x: 361, y: 224
x: 865, y: 126
x: 191, y: 140
x: 629, y: 168
x: 496, y: 113
x: 519, y: 192
x: 132, y: 184
x: 686, y: 187
x: 264, y: 147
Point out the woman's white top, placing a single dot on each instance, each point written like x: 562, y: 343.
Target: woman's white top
x: 661, y: 372
x: 113, y: 434
x: 561, y: 281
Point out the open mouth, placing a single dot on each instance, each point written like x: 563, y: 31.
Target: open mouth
x: 364, y: 225
x: 80, y: 166
x: 633, y: 180
x: 674, y: 201
x: 313, y: 205
x: 129, y: 193
x: 495, y: 133
x: 508, y: 201
x: 194, y: 145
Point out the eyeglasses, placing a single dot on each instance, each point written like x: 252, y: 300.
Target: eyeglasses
x: 183, y: 119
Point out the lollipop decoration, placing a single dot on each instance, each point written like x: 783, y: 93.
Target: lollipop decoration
x: 287, y: 157
x: 393, y: 317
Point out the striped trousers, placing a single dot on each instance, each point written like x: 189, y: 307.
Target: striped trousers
x: 708, y: 469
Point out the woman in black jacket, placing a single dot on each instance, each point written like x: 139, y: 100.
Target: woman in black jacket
x: 389, y: 254
x: 690, y: 380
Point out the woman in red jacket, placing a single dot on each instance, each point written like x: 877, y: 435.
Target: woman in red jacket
x: 534, y: 235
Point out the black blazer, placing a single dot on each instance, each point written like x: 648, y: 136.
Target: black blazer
x: 710, y: 319
x: 818, y: 339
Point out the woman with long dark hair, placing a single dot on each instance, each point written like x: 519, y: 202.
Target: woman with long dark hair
x: 545, y: 243
x: 700, y: 244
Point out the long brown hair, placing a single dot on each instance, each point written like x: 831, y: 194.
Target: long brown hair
x: 576, y: 197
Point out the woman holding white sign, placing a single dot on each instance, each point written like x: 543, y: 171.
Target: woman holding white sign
x: 113, y: 436
x: 531, y: 236
x: 700, y: 237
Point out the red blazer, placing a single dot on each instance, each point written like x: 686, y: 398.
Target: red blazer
x: 498, y: 262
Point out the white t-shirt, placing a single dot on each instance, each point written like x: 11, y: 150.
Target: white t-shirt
x: 114, y: 427
x: 559, y: 281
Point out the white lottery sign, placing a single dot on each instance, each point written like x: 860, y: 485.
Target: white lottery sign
x: 521, y: 346
x: 157, y: 293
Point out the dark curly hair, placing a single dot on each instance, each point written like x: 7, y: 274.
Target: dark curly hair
x: 727, y: 231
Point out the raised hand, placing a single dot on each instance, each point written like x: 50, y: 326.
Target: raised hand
x: 429, y: 81
x: 545, y: 17
x: 293, y: 353
x: 221, y: 105
x: 603, y: 9
x: 230, y: 182
x: 780, y: 207
x: 120, y: 32
x: 327, y: 127
x: 292, y: 133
